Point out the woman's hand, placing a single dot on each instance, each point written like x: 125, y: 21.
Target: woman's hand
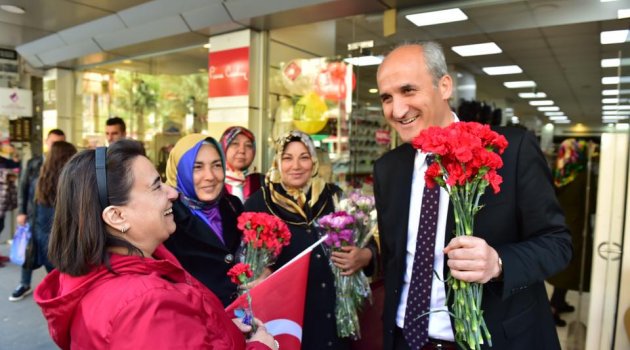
x: 266, y: 272
x: 351, y: 259
x: 263, y: 336
x: 244, y: 328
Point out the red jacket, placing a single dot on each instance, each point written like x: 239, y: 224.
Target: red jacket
x: 149, y: 304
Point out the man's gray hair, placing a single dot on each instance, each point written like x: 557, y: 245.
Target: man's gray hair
x: 433, y: 57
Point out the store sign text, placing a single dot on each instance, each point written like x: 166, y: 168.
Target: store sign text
x: 228, y: 72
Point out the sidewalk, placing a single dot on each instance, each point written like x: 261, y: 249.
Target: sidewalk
x: 22, y: 325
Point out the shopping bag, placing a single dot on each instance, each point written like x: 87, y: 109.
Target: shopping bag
x: 20, y: 241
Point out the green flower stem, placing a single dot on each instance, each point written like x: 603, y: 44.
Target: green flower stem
x: 251, y: 310
x: 470, y: 328
x: 351, y: 293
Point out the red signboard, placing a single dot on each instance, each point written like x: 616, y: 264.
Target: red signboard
x: 228, y: 72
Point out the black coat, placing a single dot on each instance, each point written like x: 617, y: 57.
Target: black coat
x: 523, y: 222
x: 319, y: 329
x: 201, y: 252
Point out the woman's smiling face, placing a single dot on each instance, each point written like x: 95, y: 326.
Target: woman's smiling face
x: 296, y: 165
x: 208, y: 173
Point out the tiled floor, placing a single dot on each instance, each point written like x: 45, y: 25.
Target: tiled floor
x: 571, y: 340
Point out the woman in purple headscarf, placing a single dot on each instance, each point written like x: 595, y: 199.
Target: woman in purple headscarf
x: 206, y: 238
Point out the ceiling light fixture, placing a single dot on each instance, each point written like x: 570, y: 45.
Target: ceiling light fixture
x: 613, y: 36
x: 541, y: 103
x: 549, y: 109
x: 612, y: 100
x: 615, y: 92
x: 553, y: 113
x: 615, y: 117
x: 610, y: 80
x: 477, y: 49
x: 13, y: 9
x: 373, y: 90
x: 616, y: 112
x: 616, y: 108
x: 364, y: 60
x: 500, y: 70
x: 207, y: 46
x: 562, y: 121
x: 532, y: 95
x: 519, y: 84
x: 437, y: 17
x: 623, y: 13
x: 615, y: 62
x: 558, y: 117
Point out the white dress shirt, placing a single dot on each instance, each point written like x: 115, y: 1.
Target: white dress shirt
x: 439, y: 322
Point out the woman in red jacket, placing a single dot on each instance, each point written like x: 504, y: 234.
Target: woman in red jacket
x: 115, y: 286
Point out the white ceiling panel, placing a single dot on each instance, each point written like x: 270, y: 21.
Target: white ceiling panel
x: 146, y: 32
x: 67, y: 52
x: 245, y: 9
x: 90, y: 29
x: 210, y: 15
x: 44, y: 44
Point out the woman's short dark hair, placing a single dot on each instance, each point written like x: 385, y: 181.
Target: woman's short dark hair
x: 79, y: 239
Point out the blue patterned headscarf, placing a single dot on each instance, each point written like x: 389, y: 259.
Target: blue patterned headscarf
x: 179, y: 174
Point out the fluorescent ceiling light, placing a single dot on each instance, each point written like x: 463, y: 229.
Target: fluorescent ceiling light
x: 477, y: 49
x: 373, y: 90
x: 437, y: 17
x: 13, y: 9
x: 532, y: 95
x: 207, y: 46
x: 563, y: 121
x: 558, y: 117
x: 549, y: 109
x: 365, y: 60
x: 613, y: 36
x: 616, y: 108
x: 610, y: 100
x: 611, y: 62
x: 615, y: 62
x: 615, y: 80
x: 554, y: 113
x: 615, y: 92
x: 519, y: 84
x: 616, y: 112
x: 541, y: 103
x: 623, y: 13
x: 610, y: 80
x: 615, y: 117
x: 500, y: 70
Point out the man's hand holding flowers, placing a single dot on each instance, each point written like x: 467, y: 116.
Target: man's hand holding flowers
x: 471, y: 259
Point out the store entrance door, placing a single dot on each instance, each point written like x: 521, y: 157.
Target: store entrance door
x: 610, y: 284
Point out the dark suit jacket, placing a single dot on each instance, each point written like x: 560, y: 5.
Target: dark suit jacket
x: 201, y: 252
x: 523, y: 222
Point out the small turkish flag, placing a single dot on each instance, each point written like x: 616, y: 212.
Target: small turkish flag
x: 278, y: 301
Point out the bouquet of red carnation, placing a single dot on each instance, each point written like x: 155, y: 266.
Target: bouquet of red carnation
x: 351, y: 291
x: 466, y: 163
x: 239, y: 274
x: 264, y: 236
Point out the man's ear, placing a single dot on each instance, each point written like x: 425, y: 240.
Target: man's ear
x: 446, y: 87
x: 114, y: 217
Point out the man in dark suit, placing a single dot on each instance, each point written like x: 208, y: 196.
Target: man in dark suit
x: 520, y: 234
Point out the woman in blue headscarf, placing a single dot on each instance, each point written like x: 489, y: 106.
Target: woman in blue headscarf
x: 206, y: 238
